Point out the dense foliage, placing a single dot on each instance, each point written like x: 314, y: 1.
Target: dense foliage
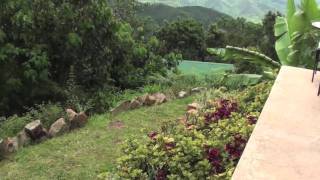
x: 206, y: 144
x: 41, y: 40
x: 186, y: 37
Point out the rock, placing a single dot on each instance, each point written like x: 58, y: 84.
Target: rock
x: 125, y: 106
x: 35, y: 130
x: 71, y: 114
x: 79, y: 121
x: 11, y: 145
x: 198, y: 89
x: 57, y: 128
x: 142, y: 99
x: 150, y: 100
x: 23, y: 139
x: 134, y: 104
x: 45, y: 135
x: 195, y: 106
x: 160, y: 98
x: 182, y: 94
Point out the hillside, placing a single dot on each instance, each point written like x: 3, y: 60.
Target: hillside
x: 84, y: 153
x: 251, y: 9
x: 161, y: 12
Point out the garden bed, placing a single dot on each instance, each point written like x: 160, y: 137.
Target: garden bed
x: 207, y: 142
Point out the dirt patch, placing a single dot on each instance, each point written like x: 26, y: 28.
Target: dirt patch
x: 116, y: 125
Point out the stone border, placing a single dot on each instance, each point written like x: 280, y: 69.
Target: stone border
x: 151, y: 100
x: 34, y: 132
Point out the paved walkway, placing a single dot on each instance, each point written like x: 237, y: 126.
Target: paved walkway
x: 285, y: 144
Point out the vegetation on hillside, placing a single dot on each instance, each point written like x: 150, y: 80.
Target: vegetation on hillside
x: 39, y: 48
x: 91, y: 55
x: 39, y: 65
x: 253, y: 10
x: 161, y: 12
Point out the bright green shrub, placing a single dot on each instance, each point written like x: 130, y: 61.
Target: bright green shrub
x: 207, y: 144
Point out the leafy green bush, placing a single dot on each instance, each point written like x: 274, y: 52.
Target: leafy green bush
x: 206, y: 144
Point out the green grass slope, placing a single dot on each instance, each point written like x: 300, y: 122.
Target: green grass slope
x: 84, y: 153
x: 161, y: 12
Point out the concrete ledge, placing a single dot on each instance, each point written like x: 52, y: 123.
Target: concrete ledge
x: 285, y: 145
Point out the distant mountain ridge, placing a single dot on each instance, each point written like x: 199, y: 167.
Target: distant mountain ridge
x: 161, y: 12
x: 250, y: 9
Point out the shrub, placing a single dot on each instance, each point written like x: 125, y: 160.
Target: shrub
x: 13, y: 125
x: 47, y: 113
x: 207, y: 143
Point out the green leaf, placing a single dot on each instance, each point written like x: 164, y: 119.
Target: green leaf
x: 284, y: 41
x: 242, y: 54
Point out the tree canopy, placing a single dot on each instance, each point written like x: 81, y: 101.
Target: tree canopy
x: 41, y: 39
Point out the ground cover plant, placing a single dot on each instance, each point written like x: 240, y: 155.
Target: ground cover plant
x: 206, y: 144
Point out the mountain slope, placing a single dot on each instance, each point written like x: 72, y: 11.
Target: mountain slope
x: 161, y: 12
x: 251, y: 9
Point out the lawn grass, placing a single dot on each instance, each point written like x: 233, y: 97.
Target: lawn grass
x: 203, y: 68
x: 84, y: 153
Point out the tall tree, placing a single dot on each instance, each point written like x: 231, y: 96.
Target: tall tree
x: 184, y: 36
x: 215, y: 37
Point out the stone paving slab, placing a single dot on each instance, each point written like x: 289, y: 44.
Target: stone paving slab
x: 285, y: 144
